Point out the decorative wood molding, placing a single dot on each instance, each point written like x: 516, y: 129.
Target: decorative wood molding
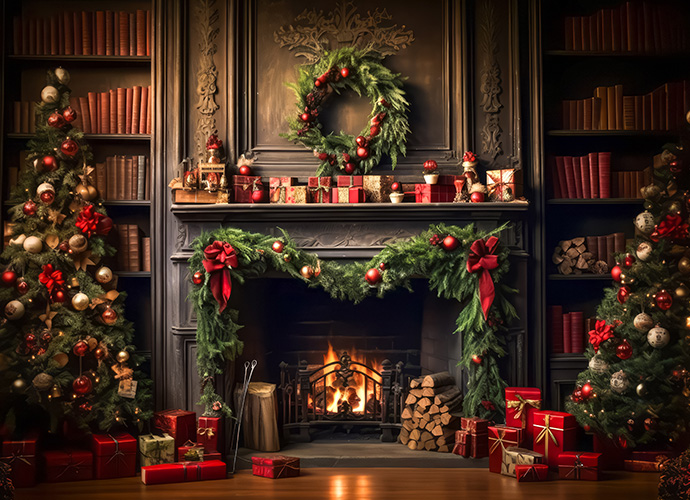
x: 490, y: 83
x: 206, y: 24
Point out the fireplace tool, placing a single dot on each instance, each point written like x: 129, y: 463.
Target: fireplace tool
x: 248, y: 371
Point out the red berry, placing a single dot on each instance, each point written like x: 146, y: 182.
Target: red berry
x: 29, y: 208
x: 361, y: 141
x: 374, y: 130
x: 323, y: 156
x: 345, y: 72
x: 318, y: 83
x: 382, y: 266
x: 616, y: 272
x: 346, y: 157
x: 198, y: 278
x: 305, y: 117
x: 477, y: 197
x: 430, y: 165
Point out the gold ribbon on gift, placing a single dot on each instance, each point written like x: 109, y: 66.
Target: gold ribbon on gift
x: 530, y: 474
x: 521, y: 405
x: 546, y: 433
x: 254, y: 185
x: 318, y: 191
x: 500, y: 441
x: 205, y: 431
x: 17, y: 455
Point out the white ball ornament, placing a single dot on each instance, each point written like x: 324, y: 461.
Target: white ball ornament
x: 644, y: 222
x: 62, y: 75
x: 50, y: 95
x: 18, y: 240
x: 619, y: 382
x: 597, y: 364
x: 14, y: 310
x: 644, y: 251
x: 658, y: 337
x: 643, y: 322
x: 33, y: 244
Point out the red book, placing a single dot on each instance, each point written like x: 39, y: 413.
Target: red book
x: 141, y: 32
x: 143, y: 109
x: 113, y: 111
x: 577, y: 328
x: 92, y: 16
x: 105, y: 113
x: 557, y: 194
x: 121, y: 116
x: 570, y: 176
x: 116, y: 33
x: 149, y: 119
x: 93, y: 112
x: 577, y: 174
x: 604, y: 164
x: 556, y: 316
x: 68, y: 23
x: 594, y: 175
x: 124, y: 33
x: 100, y: 33
x: 567, y: 344
x: 136, y: 108
x: 148, y: 34
x: 619, y: 242
x: 78, y: 35
x: 87, y: 32
x: 561, y: 177
x: 85, y: 115
x: 584, y: 173
x: 132, y: 34
x: 109, y: 27
x: 128, y: 110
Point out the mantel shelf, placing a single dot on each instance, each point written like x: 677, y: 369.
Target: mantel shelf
x: 344, y: 211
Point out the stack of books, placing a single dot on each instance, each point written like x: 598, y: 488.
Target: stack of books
x: 123, y: 177
x: 133, y: 250
x: 568, y: 330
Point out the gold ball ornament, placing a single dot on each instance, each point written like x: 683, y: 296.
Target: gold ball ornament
x: 643, y: 322
x: 62, y: 75
x: 93, y: 343
x: 78, y: 243
x: 61, y: 359
x: 88, y: 192
x: 80, y: 301
x: 104, y: 275
x: 42, y: 381
x: 19, y: 386
x: 14, y: 310
x: 50, y: 95
x: 33, y: 244
x: 307, y: 272
x: 682, y: 292
x: 122, y: 356
x: 287, y: 257
x: 684, y: 265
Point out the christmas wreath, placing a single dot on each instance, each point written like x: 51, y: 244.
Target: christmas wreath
x: 363, y: 72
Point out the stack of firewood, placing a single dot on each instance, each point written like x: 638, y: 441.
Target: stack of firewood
x: 573, y: 257
x: 428, y: 422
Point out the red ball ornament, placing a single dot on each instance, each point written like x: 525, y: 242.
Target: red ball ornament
x: 245, y: 170
x: 56, y: 120
x: 29, y: 208
x: 82, y: 385
x: 22, y: 287
x: 99, y: 353
x: 104, y: 226
x: 305, y: 117
x: 109, y: 316
x: 278, y: 246
x: 586, y: 428
x: 49, y: 163
x: 663, y: 300
x: 395, y: 186
x: 675, y: 166
x: 587, y: 390
x: 198, y: 278
x: 9, y: 278
x: 616, y: 272
x: 476, y: 359
x: 430, y: 165
x: 622, y: 442
x: 361, y: 141
x: 30, y: 340
x: 69, y: 114
x: 350, y: 168
x: 623, y: 294
x: 363, y: 153
x: 346, y: 157
x: 59, y: 296
x: 373, y: 276
x: 629, y: 260
x: 257, y: 196
x: 650, y: 424
x: 450, y: 243
x: 47, y: 197
x: 374, y: 130
x: 624, y: 350
x: 80, y: 348
x: 69, y: 147
x: 345, y: 72
x: 477, y: 197
x: 382, y: 266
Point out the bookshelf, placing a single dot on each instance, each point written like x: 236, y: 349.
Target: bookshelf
x: 644, y: 59
x: 24, y: 76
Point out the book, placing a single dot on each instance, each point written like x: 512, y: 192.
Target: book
x: 85, y: 115
x: 577, y: 33
x: 587, y: 114
x: 647, y: 112
x: 136, y: 108
x: 611, y: 112
x: 619, y: 242
x: 604, y: 164
x: 631, y: 26
x: 572, y: 113
x: 134, y: 259
x: 100, y: 33
x: 122, y: 243
x: 556, y: 316
x: 557, y: 193
x: 128, y: 110
x: 124, y: 33
x: 25, y: 114
x: 109, y: 27
x: 121, y: 112
x: 570, y: 176
x: 120, y: 162
x: 594, y: 175
x: 141, y: 32
x: 628, y: 113
x: 17, y: 45
x: 618, y: 92
x: 601, y: 248
x: 132, y: 34
x: 567, y: 343
x: 143, y: 110
x: 54, y: 35
x: 104, y: 111
x: 627, y: 190
x: 580, y: 114
x: 596, y: 113
x: 592, y: 246
x: 584, y: 174
x: 147, y: 180
x: 93, y: 99
x: 111, y: 178
x: 148, y: 35
x: 584, y: 33
x: 149, y: 117
x: 561, y: 177
x: 17, y: 122
x: 112, y: 115
x: 101, y: 180
x: 639, y: 124
x: 577, y: 330
x: 141, y: 177
x: 601, y: 93
x: 78, y: 36
x: 577, y: 173
x: 129, y: 165
x: 146, y: 254
x: 135, y: 177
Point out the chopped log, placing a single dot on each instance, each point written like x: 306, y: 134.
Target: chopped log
x: 557, y: 258
x: 430, y: 446
x: 416, y: 392
x: 437, y: 419
x: 565, y: 244
x: 430, y: 392
x: 565, y: 267
x: 445, y: 433
x: 578, y: 241
x: 434, y: 409
x: 426, y: 436
x: 412, y: 444
x: 415, y: 421
x: 572, y: 253
x: 430, y: 426
x: 415, y: 434
x: 438, y: 380
x: 445, y: 396
x: 416, y: 382
x: 425, y: 418
x: 411, y: 400
x: 407, y: 413
x: 444, y: 449
x: 452, y: 405
x: 408, y: 425
x: 582, y: 263
x: 404, y: 436
x: 449, y: 419
x: 423, y: 404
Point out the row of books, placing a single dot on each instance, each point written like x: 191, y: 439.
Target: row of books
x: 102, y: 33
x: 123, y: 177
x: 133, y: 249
x: 609, y: 109
x: 637, y: 27
x: 606, y: 247
x: 569, y: 330
x: 117, y: 111
x: 24, y: 117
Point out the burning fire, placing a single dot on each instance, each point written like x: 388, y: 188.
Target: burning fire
x: 359, y: 391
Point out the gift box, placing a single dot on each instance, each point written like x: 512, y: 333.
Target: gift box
x: 183, y: 472
x: 190, y: 452
x: 646, y: 461
x: 433, y: 193
x: 209, y: 433
x: 555, y: 432
x: 115, y: 455
x: 612, y: 455
x: 278, y: 188
x: 514, y: 456
x: 377, y: 188
x: 297, y: 195
x: 212, y: 455
x: 447, y: 179
x: 463, y: 443
x: 319, y: 189
x: 20, y: 455
x: 348, y: 195
x: 154, y: 450
x: 579, y: 465
x: 521, y: 403
x: 531, y: 473
x: 275, y: 467
x: 501, y: 184
x: 67, y: 465
x: 475, y: 425
x: 180, y: 424
x: 350, y: 181
x: 242, y: 187
x: 500, y: 438
x: 480, y: 445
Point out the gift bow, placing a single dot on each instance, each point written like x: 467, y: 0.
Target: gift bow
x: 545, y: 434
x: 521, y: 405
x: 18, y: 454
x: 500, y: 440
x: 71, y: 465
x: 207, y: 431
x: 119, y: 454
x: 319, y: 190
x: 220, y: 257
x: 482, y: 259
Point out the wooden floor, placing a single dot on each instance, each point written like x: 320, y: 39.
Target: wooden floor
x: 360, y: 484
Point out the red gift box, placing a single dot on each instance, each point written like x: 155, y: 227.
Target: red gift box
x: 68, y: 465
x: 612, y: 455
x: 480, y: 445
x: 180, y: 424
x: 350, y: 181
x: 212, y: 455
x: 275, y: 467
x: 21, y: 457
x: 243, y: 185
x: 278, y: 188
x: 434, y: 193
x: 189, y: 445
x: 530, y: 473
x: 463, y: 443
x: 209, y: 433
x: 183, y: 472
x: 555, y: 432
x: 475, y: 425
x: 646, y: 461
x: 115, y: 455
x: 500, y: 438
x: 319, y: 189
x: 445, y: 179
x: 501, y: 184
x: 356, y: 195
x: 579, y: 465
x: 521, y: 403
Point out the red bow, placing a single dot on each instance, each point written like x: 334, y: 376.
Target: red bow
x: 601, y: 333
x: 482, y: 259
x: 88, y: 220
x: 672, y: 228
x: 51, y: 278
x: 219, y: 257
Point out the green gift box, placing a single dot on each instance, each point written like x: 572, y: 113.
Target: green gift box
x: 154, y: 450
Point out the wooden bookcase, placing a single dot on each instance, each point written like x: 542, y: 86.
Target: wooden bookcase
x: 569, y: 74
x: 23, y: 79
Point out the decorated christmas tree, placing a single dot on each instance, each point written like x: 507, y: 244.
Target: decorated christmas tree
x: 636, y: 389
x: 65, y: 347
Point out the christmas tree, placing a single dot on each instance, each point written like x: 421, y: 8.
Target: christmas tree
x: 65, y: 348
x: 636, y: 389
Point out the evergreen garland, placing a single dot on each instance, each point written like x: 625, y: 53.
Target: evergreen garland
x: 217, y: 333
x: 362, y: 72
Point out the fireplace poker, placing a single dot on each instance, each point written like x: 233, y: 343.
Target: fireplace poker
x: 248, y: 371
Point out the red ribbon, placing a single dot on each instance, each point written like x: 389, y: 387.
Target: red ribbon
x: 672, y: 228
x: 88, y: 219
x: 51, y: 278
x: 482, y: 259
x: 601, y: 333
x: 220, y: 257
